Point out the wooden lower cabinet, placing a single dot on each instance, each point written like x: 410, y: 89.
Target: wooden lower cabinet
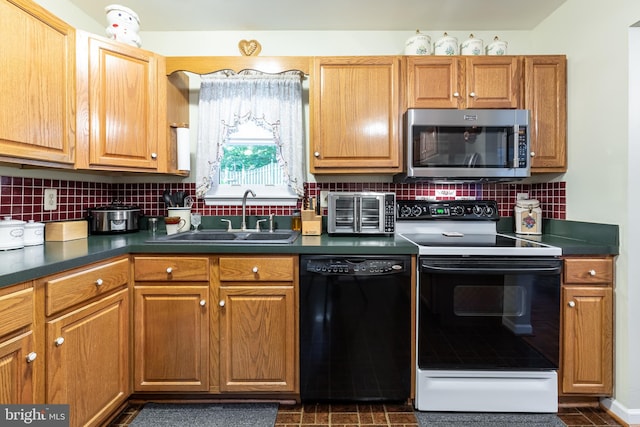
x: 171, y: 350
x: 87, y: 359
x: 258, y: 324
x: 587, y: 327
x: 17, y: 346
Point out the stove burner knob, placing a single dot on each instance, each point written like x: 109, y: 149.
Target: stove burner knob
x: 477, y: 209
x: 416, y: 211
x: 458, y: 211
x: 488, y: 210
x: 405, y: 211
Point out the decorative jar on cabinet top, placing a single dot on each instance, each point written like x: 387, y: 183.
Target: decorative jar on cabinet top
x: 446, y: 45
x: 472, y: 46
x: 419, y: 44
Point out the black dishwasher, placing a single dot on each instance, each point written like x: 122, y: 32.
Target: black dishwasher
x: 355, y: 328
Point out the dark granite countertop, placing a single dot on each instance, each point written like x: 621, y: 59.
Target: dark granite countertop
x: 19, y: 265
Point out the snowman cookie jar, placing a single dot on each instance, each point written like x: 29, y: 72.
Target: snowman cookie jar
x: 419, y: 44
x: 123, y: 25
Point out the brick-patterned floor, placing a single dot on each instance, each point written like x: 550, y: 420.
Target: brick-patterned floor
x: 379, y: 415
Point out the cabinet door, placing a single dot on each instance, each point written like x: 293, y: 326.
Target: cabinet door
x: 16, y: 370
x: 355, y: 114
x: 493, y: 82
x: 88, y: 359
x: 545, y: 95
x: 171, y: 338
x: 118, y: 99
x: 587, y: 340
x: 433, y: 82
x: 257, y: 339
x: 37, y: 122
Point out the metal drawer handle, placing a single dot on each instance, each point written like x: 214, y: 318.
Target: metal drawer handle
x: 572, y: 304
x: 592, y: 273
x: 169, y: 270
x: 254, y: 269
x: 31, y: 357
x: 59, y: 341
x: 99, y: 282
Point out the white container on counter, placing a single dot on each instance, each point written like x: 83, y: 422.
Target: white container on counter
x: 33, y: 233
x: 11, y: 233
x: 528, y: 217
x: 184, y: 213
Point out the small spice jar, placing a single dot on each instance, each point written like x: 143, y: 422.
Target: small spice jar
x: 296, y: 221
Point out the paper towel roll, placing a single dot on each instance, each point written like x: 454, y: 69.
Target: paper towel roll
x: 184, y: 149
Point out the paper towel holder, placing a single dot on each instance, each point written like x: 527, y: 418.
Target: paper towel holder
x: 181, y: 147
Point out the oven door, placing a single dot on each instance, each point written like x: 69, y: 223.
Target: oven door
x: 488, y: 334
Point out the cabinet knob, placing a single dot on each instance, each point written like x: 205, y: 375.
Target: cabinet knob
x: 472, y: 94
x: 532, y: 154
x: 254, y: 269
x: 456, y: 94
x: 99, y: 282
x: 31, y: 357
x: 572, y: 304
x: 221, y: 303
x: 169, y: 270
x: 154, y: 156
x: 316, y: 154
x: 59, y: 341
x: 203, y: 303
x: 592, y: 273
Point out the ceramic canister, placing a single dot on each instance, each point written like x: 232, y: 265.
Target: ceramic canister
x: 528, y: 217
x: 472, y: 46
x: 419, y: 44
x: 446, y: 45
x: 11, y: 233
x: 497, y: 47
x: 33, y: 233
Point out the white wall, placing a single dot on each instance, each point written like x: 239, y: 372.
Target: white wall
x: 602, y: 134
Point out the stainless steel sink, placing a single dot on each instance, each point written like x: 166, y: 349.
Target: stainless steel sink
x: 234, y: 237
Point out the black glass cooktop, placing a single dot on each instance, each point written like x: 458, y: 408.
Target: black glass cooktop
x: 470, y: 240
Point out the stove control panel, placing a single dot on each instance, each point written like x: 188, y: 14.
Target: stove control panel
x: 486, y: 210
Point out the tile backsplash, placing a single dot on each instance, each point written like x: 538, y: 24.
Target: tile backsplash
x: 22, y: 198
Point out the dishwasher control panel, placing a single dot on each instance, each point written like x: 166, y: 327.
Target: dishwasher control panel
x: 356, y: 266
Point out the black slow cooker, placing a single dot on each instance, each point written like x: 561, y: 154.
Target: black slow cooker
x: 114, y: 219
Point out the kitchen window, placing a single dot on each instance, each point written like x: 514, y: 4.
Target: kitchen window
x: 250, y: 136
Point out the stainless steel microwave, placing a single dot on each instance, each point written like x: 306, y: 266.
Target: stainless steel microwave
x: 361, y: 213
x: 466, y: 145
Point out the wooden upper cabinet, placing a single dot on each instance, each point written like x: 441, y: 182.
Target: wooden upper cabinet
x: 463, y: 82
x: 38, y: 86
x: 433, y: 82
x: 355, y: 115
x: 121, y: 106
x: 545, y: 95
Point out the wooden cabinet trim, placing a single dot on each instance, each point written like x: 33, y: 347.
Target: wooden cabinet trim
x: 16, y: 311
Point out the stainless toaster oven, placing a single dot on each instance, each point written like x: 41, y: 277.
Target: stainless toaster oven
x: 361, y: 213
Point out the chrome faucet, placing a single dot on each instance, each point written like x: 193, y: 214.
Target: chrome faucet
x: 243, y: 226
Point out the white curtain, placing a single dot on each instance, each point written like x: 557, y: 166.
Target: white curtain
x: 227, y: 98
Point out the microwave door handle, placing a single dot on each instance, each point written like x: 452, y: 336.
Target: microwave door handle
x: 514, y: 141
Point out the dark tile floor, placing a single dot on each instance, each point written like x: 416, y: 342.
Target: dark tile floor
x: 379, y: 415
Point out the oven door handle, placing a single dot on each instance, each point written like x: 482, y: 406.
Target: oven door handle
x: 502, y: 266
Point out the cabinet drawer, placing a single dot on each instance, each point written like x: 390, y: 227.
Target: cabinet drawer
x: 16, y: 311
x: 66, y: 290
x: 255, y: 269
x: 588, y: 270
x: 185, y: 269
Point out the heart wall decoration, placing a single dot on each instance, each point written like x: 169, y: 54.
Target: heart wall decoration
x: 249, y: 47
